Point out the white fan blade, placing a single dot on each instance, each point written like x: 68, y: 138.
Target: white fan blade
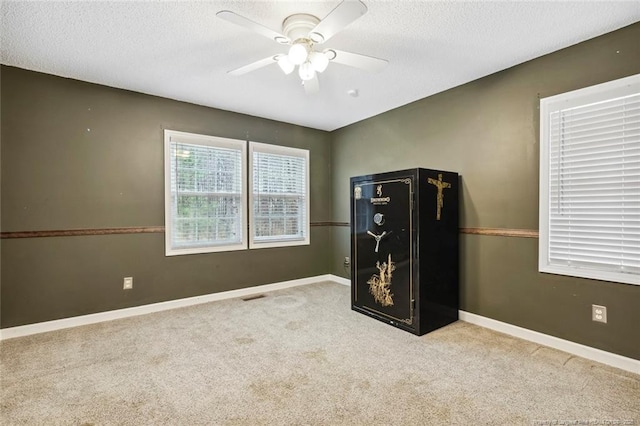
x: 253, y: 66
x: 234, y: 18
x: 312, y: 86
x: 343, y: 14
x: 356, y: 60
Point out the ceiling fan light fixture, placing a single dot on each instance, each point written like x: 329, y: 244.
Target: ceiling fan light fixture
x: 306, y: 71
x: 285, y: 64
x: 319, y: 61
x: 302, y: 31
x: 298, y: 53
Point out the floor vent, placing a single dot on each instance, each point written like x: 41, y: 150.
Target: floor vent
x: 257, y: 296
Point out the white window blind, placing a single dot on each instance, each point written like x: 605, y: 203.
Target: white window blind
x: 279, y: 196
x: 590, y: 225
x: 204, y: 193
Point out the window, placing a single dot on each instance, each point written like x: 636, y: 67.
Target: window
x: 205, y: 197
x: 590, y: 182
x: 206, y: 194
x: 279, y: 201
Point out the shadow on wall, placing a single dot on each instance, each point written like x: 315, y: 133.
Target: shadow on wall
x: 469, y: 260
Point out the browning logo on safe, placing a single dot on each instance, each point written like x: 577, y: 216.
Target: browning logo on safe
x: 380, y: 285
x: 380, y: 199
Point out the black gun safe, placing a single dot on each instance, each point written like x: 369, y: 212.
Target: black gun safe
x: 404, y: 248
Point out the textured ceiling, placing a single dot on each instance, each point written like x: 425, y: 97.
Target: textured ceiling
x: 181, y: 50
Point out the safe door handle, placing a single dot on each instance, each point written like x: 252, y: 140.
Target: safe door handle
x: 377, y: 238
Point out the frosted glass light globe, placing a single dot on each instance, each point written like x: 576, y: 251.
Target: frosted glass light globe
x: 319, y: 61
x: 306, y: 71
x: 285, y: 64
x: 298, y: 53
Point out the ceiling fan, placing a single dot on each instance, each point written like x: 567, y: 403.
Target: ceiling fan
x: 303, y: 32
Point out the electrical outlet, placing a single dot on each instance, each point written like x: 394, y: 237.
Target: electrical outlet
x: 599, y: 313
x: 347, y: 261
x: 128, y: 283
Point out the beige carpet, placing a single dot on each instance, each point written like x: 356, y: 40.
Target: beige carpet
x: 300, y: 356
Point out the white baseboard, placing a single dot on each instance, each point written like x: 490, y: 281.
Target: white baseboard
x: 340, y: 280
x: 587, y: 352
x: 598, y: 355
x: 42, y: 327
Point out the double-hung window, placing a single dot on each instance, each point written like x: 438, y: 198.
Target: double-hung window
x: 218, y: 197
x: 205, y: 197
x: 590, y: 182
x: 279, y: 200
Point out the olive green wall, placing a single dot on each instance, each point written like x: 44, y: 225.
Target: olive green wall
x: 77, y: 155
x: 487, y: 131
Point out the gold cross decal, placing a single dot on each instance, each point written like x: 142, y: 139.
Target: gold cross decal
x: 440, y: 185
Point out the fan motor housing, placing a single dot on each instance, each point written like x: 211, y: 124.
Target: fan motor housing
x: 299, y: 25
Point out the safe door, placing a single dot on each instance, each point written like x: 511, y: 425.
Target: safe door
x: 383, y: 249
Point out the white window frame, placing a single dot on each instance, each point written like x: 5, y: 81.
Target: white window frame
x: 590, y: 95
x: 274, y: 242
x: 214, y: 141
